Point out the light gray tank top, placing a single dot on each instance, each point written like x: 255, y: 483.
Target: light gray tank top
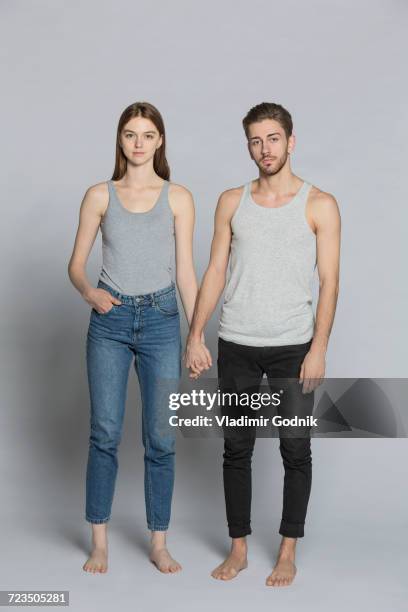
x: 138, y: 254
x: 268, y: 297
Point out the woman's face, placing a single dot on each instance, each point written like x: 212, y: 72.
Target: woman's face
x: 139, y: 140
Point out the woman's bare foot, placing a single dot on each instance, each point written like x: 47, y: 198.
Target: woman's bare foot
x: 234, y: 563
x: 285, y: 569
x: 98, y: 561
x: 160, y: 556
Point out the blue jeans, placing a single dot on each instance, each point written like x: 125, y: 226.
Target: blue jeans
x: 146, y: 327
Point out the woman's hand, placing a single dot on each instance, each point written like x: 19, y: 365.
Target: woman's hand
x: 101, y: 300
x: 197, y: 357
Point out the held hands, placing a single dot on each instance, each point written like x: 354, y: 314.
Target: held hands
x: 102, y: 301
x: 312, y: 370
x: 197, y: 357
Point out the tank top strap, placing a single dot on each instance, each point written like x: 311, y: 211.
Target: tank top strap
x: 163, y: 201
x: 304, y: 193
x: 113, y: 198
x: 244, y: 195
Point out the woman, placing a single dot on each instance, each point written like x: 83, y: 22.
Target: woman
x: 145, y: 220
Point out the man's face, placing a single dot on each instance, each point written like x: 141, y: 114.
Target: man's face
x: 268, y: 145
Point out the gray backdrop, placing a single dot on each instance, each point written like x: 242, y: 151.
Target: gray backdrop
x: 69, y: 70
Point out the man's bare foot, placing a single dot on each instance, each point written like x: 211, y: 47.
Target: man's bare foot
x: 282, y: 574
x: 234, y: 563
x: 160, y: 556
x: 285, y: 569
x: 98, y: 561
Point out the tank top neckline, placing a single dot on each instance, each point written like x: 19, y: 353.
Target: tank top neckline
x: 290, y: 203
x: 144, y: 212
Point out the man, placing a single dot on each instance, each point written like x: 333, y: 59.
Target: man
x: 277, y: 229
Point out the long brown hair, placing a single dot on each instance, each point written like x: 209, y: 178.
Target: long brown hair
x: 147, y: 111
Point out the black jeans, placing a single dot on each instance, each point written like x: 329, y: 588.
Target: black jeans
x: 242, y: 367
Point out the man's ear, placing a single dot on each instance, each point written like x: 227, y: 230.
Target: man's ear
x: 291, y: 143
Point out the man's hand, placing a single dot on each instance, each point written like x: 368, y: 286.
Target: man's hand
x: 312, y: 370
x: 197, y: 357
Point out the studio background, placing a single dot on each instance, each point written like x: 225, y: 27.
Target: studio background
x: 68, y: 71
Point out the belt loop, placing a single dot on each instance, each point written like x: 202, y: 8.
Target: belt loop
x: 153, y: 300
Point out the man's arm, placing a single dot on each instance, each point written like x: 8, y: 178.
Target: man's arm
x: 197, y: 356
x: 326, y: 219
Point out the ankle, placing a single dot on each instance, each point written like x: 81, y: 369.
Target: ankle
x: 239, y: 546
x: 158, y: 540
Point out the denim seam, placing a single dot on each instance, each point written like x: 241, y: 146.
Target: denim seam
x: 149, y: 504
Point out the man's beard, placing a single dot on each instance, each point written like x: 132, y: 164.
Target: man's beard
x: 275, y: 168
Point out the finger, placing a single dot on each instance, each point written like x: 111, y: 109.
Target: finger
x: 194, y: 368
x: 301, y: 374
x: 208, y: 354
x: 305, y: 384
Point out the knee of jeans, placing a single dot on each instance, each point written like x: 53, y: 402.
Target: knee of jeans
x: 105, y: 438
x: 157, y: 446
x: 238, y: 448
x: 295, y: 452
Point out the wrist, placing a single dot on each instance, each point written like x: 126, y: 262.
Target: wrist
x: 319, y: 345
x: 87, y: 293
x: 194, y: 337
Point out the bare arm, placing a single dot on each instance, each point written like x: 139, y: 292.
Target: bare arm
x: 182, y: 204
x: 213, y: 282
x: 326, y: 218
x: 92, y: 209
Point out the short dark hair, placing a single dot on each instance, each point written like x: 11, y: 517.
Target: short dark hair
x: 269, y: 110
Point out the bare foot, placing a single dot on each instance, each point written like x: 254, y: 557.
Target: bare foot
x: 164, y: 561
x: 97, y: 562
x: 283, y: 573
x: 234, y: 563
x: 160, y: 556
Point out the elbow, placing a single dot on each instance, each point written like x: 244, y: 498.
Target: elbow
x: 331, y: 285
x: 217, y: 274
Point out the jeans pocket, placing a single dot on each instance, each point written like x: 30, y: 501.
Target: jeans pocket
x: 167, y: 304
x: 104, y: 314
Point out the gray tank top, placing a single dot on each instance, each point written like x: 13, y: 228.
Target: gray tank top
x: 138, y: 254
x: 268, y: 296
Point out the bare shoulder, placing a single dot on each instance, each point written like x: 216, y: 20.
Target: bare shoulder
x: 228, y: 202
x: 319, y: 198
x: 322, y: 207
x: 180, y: 198
x: 96, y: 198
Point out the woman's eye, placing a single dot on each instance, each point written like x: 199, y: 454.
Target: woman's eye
x: 149, y: 136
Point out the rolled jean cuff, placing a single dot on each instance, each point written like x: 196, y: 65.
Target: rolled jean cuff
x: 292, y: 530
x: 97, y: 521
x: 239, y: 531
x: 152, y: 527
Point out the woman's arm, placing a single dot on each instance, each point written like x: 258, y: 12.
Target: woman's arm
x: 92, y: 209
x: 182, y: 205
